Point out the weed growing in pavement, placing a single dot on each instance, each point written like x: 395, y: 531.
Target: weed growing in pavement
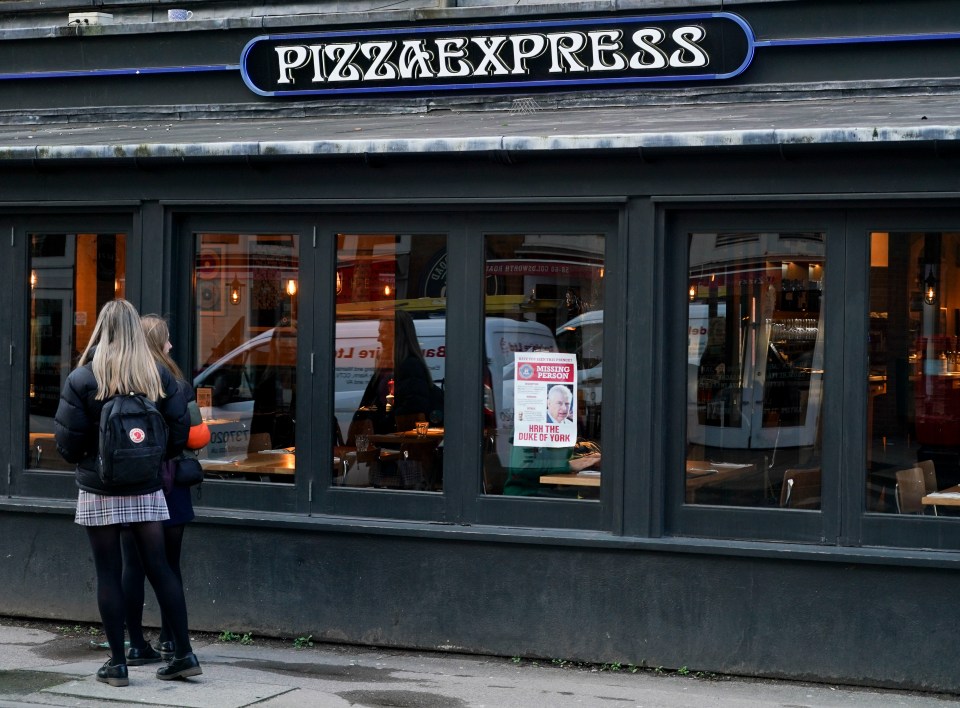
x: 516, y: 660
x: 76, y: 630
x: 303, y: 642
x: 683, y: 671
x: 228, y: 636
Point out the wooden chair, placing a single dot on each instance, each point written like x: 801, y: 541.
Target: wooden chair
x: 930, y: 484
x: 348, y: 473
x: 929, y: 475
x: 910, y: 490
x: 801, y: 489
x: 258, y: 442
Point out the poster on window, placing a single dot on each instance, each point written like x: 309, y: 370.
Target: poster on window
x: 544, y: 399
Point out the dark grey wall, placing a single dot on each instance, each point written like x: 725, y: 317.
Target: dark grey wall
x: 55, y: 47
x: 824, y: 621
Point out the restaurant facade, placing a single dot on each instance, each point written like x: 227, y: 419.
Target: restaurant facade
x: 747, y: 213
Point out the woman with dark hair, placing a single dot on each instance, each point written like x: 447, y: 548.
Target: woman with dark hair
x: 118, y: 360
x: 401, y: 383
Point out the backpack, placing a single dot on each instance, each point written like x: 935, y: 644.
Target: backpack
x: 133, y: 441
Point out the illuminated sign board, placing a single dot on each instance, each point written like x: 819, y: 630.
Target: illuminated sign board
x: 551, y: 54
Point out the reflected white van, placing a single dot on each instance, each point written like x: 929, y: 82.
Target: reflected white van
x: 257, y: 379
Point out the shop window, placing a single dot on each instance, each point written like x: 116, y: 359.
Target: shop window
x: 71, y: 277
x: 245, y: 375
x: 390, y: 362
x: 543, y: 375
x: 913, y: 404
x: 755, y: 360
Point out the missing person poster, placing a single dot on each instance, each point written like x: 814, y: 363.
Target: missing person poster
x: 544, y: 398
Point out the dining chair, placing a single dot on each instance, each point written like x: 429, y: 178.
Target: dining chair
x: 801, y: 489
x: 258, y: 442
x: 929, y: 479
x: 910, y: 490
x: 929, y: 475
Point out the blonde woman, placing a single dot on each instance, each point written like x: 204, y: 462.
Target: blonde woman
x: 117, y: 360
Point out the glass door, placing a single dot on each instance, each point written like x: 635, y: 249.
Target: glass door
x: 71, y: 276
x: 755, y: 338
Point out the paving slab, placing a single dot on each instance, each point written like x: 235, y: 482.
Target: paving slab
x: 57, y: 669
x: 213, y: 689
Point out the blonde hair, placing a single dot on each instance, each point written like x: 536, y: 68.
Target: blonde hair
x: 157, y: 332
x: 119, y: 355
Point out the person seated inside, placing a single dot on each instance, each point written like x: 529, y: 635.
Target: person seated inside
x: 528, y: 464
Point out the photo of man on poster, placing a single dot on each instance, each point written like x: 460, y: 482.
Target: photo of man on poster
x: 559, y: 406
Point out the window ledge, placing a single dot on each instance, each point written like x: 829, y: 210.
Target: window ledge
x: 538, y: 536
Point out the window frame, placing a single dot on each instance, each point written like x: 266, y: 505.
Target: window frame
x: 185, y: 225
x: 24, y: 481
x: 750, y: 523
x: 875, y: 528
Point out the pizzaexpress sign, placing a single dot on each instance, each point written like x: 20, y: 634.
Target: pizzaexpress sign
x: 506, y: 56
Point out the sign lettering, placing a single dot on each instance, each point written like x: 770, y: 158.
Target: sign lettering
x: 548, y: 54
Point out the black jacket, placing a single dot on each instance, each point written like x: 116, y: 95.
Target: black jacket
x: 412, y: 388
x: 77, y: 428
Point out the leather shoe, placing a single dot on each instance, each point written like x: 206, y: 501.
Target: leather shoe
x: 166, y: 650
x: 139, y: 657
x: 115, y: 675
x: 186, y: 666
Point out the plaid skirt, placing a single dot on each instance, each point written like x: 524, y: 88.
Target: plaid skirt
x: 103, y: 510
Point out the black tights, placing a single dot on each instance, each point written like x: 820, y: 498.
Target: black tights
x: 133, y: 577
x: 108, y: 559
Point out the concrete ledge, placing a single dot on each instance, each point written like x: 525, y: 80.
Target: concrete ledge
x: 538, y: 536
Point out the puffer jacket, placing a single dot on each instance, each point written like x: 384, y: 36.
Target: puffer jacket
x: 77, y: 428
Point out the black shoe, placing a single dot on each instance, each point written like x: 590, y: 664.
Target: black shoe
x: 114, y: 675
x: 139, y: 657
x: 180, y: 668
x: 166, y: 650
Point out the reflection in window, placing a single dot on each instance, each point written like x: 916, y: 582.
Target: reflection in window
x: 543, y: 381
x: 754, y: 369
x: 71, y: 277
x: 913, y: 405
x: 246, y: 293
x: 390, y: 355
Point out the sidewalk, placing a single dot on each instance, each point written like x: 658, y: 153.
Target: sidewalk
x: 43, y: 666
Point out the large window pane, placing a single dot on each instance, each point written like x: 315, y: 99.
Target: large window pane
x: 390, y: 361
x: 71, y: 277
x: 543, y: 381
x: 755, y: 369
x: 913, y: 407
x: 246, y: 290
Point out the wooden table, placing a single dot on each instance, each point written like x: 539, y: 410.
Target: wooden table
x: 945, y: 497
x: 434, y: 436
x: 702, y: 472
x: 261, y: 464
x: 580, y: 479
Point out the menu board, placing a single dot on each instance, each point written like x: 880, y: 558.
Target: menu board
x: 545, y: 395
